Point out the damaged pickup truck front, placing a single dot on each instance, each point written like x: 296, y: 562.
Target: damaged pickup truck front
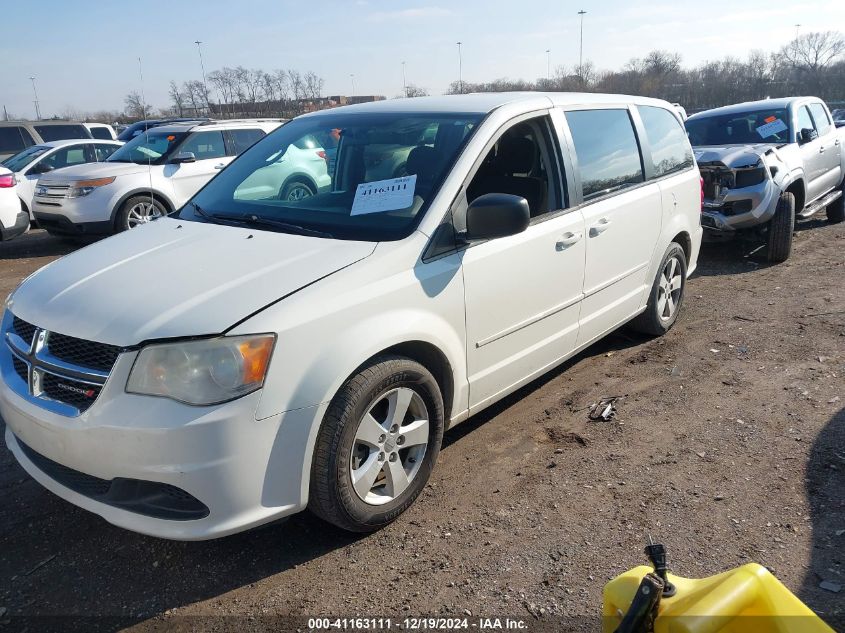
x: 766, y: 163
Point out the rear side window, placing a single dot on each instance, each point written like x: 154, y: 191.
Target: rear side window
x: 243, y: 139
x: 820, y: 118
x: 101, y: 133
x: 62, y: 132
x: 607, y: 150
x: 805, y: 122
x: 205, y: 145
x: 670, y: 149
x: 14, y: 139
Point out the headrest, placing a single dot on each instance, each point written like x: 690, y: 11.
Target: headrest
x: 516, y: 154
x: 422, y: 161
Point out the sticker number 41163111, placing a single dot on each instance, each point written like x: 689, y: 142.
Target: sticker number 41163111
x: 384, y: 195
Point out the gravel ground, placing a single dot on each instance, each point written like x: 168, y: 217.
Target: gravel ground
x: 729, y: 447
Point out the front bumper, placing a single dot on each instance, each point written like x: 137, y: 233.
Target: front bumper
x: 61, y: 225
x: 244, y: 471
x: 20, y: 227
x: 741, y: 208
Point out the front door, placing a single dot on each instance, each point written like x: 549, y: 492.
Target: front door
x: 812, y: 155
x: 187, y: 178
x: 522, y: 292
x: 830, y: 148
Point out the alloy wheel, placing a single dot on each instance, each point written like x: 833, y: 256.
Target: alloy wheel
x: 142, y: 213
x: 669, y: 289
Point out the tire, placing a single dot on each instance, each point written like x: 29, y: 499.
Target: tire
x: 836, y: 209
x: 781, y: 226
x: 667, y: 294
x: 136, y: 211
x: 296, y: 189
x: 340, y: 452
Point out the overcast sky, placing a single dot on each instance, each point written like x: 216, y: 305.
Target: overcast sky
x: 84, y: 53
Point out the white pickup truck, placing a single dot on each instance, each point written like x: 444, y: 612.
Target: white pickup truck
x: 766, y: 163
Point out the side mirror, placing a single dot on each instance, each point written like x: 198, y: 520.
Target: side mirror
x: 41, y: 168
x: 496, y: 215
x: 807, y: 134
x: 183, y: 157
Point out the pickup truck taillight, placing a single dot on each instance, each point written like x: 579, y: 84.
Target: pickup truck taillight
x: 701, y: 182
x: 7, y: 180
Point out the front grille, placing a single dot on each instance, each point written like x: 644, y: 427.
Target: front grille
x: 23, y: 329
x: 76, y: 351
x: 20, y: 368
x: 150, y: 498
x: 77, y: 394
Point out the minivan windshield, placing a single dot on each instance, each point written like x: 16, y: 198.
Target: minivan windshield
x: 349, y: 176
x: 20, y: 160
x: 769, y: 125
x: 147, y: 147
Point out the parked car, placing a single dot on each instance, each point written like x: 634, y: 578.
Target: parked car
x: 279, y: 354
x: 766, y: 163
x: 34, y: 161
x: 102, y: 131
x: 148, y: 177
x: 131, y: 131
x: 839, y: 117
x: 13, y: 219
x: 18, y: 135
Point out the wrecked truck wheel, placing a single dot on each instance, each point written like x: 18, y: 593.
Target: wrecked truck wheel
x: 781, y: 226
x: 836, y: 209
x: 377, y: 445
x: 667, y: 294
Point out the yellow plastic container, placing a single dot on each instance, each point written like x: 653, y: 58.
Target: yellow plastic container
x: 748, y: 599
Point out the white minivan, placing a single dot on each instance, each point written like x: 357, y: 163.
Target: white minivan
x: 250, y: 356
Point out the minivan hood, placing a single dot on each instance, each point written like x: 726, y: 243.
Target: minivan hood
x: 90, y: 171
x: 174, y: 278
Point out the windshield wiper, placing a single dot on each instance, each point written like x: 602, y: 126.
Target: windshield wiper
x: 256, y: 220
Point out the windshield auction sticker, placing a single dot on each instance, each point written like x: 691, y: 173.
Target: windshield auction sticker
x: 384, y: 195
x: 771, y: 128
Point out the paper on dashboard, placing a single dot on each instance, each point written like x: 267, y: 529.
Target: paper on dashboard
x: 384, y: 195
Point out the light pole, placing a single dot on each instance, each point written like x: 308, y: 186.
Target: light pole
x: 548, y: 64
x: 352, y: 76
x: 582, y: 13
x: 797, y: 28
x: 204, y: 83
x: 460, y: 71
x: 37, y: 107
x: 404, y: 82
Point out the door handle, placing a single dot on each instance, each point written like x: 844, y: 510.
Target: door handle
x: 836, y: 142
x: 821, y: 150
x: 220, y: 166
x: 599, y: 227
x: 568, y: 239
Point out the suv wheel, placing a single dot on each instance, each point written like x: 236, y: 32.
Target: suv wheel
x: 377, y: 446
x: 836, y: 209
x: 137, y: 211
x: 296, y: 190
x: 667, y: 294
x: 781, y: 226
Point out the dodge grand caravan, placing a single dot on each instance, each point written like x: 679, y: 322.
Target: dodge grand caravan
x: 311, y: 352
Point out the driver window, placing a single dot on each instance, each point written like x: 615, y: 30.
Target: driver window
x: 805, y: 122
x: 205, y: 145
x: 520, y: 163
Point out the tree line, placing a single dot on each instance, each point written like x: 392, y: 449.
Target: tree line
x: 811, y: 64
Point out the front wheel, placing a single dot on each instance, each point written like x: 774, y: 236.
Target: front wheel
x: 781, y: 227
x: 137, y: 211
x: 296, y: 190
x: 377, y: 446
x: 667, y: 294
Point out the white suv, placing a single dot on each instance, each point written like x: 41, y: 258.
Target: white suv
x: 311, y: 352
x: 150, y: 176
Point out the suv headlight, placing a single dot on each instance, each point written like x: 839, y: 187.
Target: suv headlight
x: 82, y: 188
x: 203, y: 372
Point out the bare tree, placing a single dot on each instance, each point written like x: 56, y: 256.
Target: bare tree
x: 135, y: 107
x: 811, y: 54
x: 177, y: 99
x: 312, y: 85
x: 412, y: 90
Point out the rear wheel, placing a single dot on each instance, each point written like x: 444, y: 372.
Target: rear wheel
x: 836, y: 209
x: 377, y: 446
x: 667, y: 294
x: 781, y: 226
x: 296, y: 190
x: 138, y: 210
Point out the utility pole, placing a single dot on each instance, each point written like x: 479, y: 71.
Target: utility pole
x: 5, y: 113
x: 582, y: 13
x: 404, y: 81
x: 37, y: 106
x: 548, y: 64
x: 460, y: 71
x: 797, y: 28
x: 204, y: 83
x: 352, y: 76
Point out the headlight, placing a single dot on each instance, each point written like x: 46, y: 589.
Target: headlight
x: 82, y: 188
x: 208, y: 371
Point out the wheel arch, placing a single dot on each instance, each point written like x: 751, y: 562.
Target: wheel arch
x: 798, y: 189
x: 157, y: 195
x: 683, y: 238
x: 299, y: 177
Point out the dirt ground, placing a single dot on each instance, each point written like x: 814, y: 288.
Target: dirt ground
x: 729, y: 447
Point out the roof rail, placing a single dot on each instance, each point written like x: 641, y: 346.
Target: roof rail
x: 261, y: 120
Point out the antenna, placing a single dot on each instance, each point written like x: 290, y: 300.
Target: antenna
x: 146, y: 135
